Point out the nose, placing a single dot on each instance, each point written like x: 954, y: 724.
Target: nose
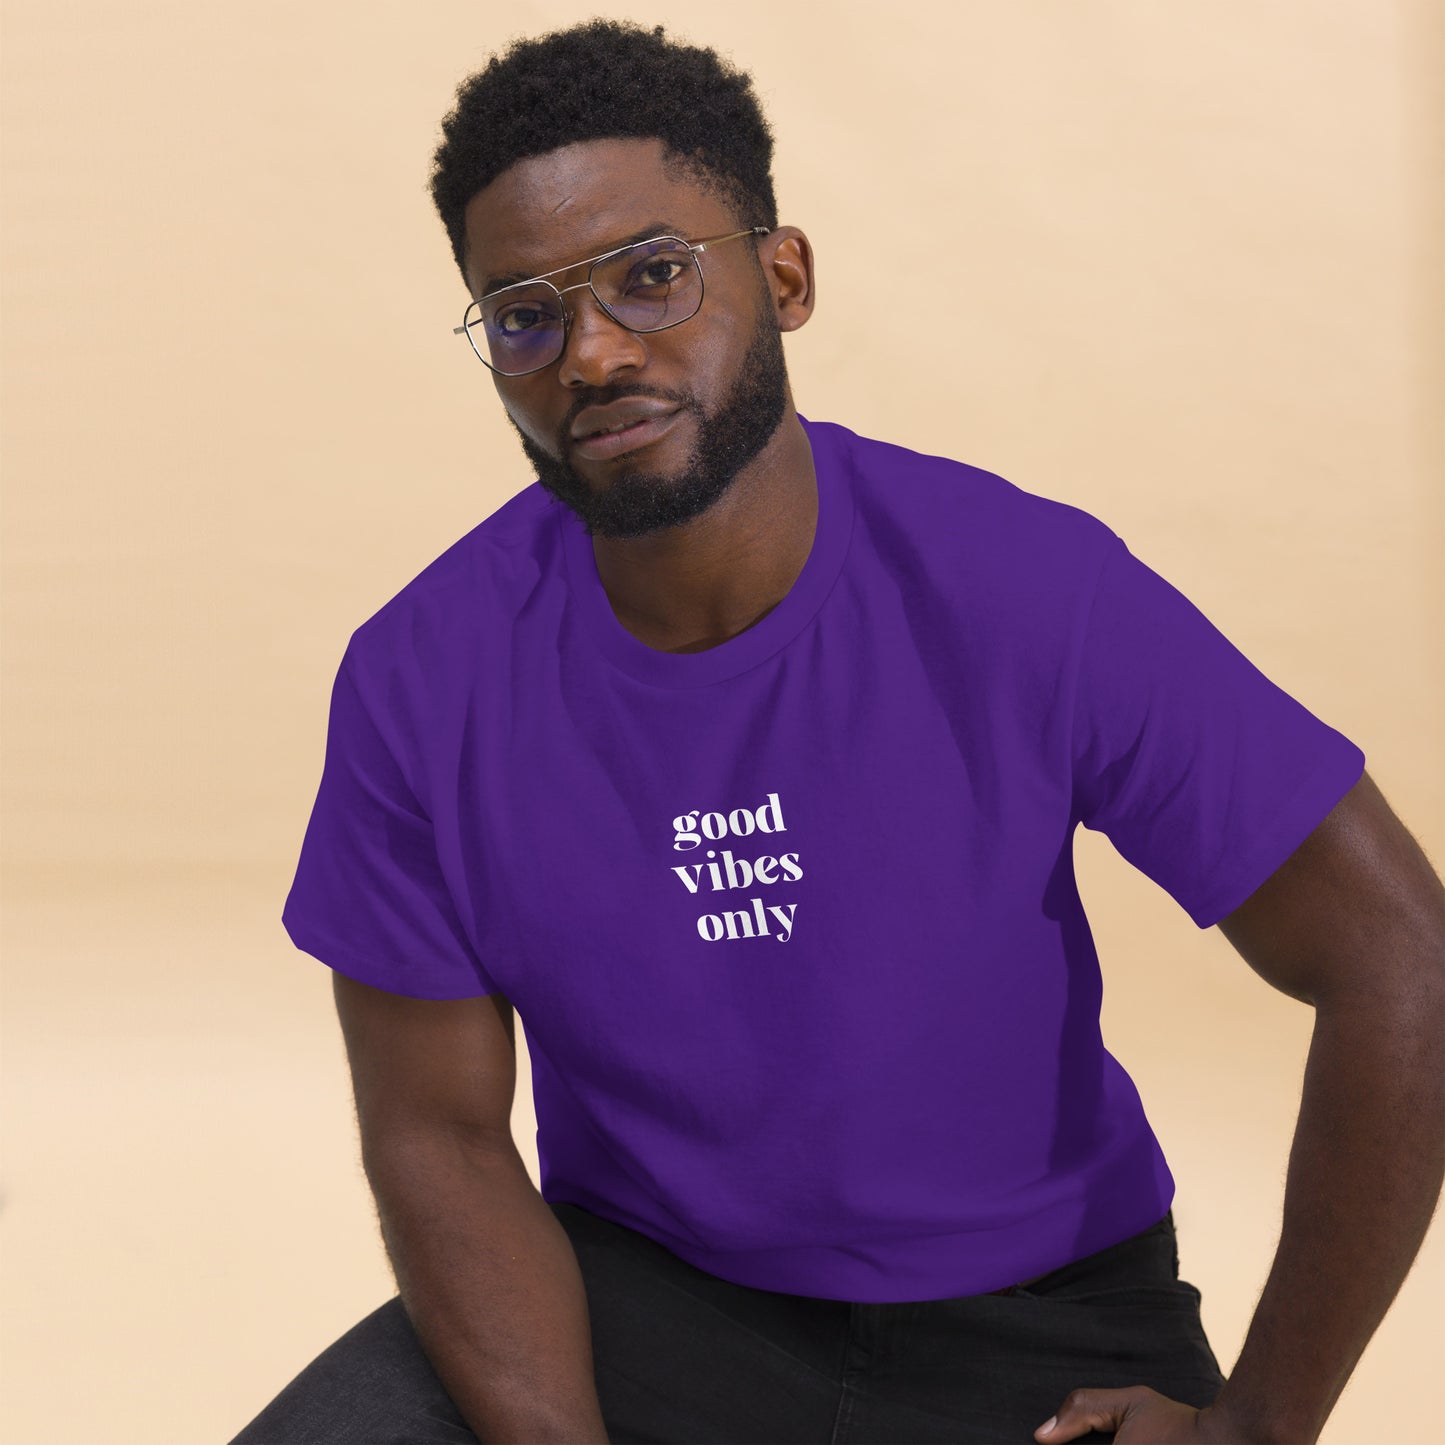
x: 597, y: 347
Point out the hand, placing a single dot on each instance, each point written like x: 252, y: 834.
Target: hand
x: 1139, y: 1416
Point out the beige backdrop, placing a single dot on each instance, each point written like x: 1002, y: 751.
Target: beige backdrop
x: 1191, y: 284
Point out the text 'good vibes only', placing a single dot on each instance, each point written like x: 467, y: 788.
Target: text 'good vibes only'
x: 722, y: 872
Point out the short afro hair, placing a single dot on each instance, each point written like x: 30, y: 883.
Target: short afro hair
x: 603, y: 79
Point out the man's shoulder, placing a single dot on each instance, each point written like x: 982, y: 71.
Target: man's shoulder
x: 467, y: 593
x: 963, y: 511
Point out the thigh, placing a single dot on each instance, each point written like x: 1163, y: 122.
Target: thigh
x: 373, y: 1386
x: 681, y: 1356
x: 992, y: 1368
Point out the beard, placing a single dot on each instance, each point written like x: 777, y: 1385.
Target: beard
x: 635, y: 501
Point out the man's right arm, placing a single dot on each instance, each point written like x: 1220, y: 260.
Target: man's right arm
x: 487, y: 1276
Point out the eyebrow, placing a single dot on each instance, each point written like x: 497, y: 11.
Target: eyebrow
x: 657, y: 228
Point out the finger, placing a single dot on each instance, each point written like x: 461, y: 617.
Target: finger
x: 1085, y: 1410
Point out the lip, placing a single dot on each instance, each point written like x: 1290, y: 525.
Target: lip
x: 629, y: 439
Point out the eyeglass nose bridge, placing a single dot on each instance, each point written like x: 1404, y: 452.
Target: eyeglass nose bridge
x: 569, y: 312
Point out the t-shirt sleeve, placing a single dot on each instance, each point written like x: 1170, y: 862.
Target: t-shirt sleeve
x: 369, y: 898
x: 1202, y: 772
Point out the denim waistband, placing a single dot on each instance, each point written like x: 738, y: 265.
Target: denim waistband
x: 1106, y: 1255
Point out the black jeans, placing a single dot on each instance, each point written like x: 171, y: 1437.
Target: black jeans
x: 681, y: 1356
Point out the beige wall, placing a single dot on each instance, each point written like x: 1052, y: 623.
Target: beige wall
x: 1190, y: 281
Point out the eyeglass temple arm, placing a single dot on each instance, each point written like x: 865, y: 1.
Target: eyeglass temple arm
x: 718, y: 240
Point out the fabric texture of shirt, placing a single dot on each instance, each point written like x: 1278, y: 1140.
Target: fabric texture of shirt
x: 791, y: 923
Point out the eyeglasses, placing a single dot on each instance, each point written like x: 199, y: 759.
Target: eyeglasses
x: 647, y: 286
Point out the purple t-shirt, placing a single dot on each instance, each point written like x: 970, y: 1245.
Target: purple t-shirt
x: 791, y: 923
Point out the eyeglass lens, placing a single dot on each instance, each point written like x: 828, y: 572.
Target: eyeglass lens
x: 647, y: 287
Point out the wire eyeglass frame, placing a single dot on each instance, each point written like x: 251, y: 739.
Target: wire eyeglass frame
x: 592, y: 263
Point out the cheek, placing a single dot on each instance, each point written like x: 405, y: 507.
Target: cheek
x: 704, y: 362
x: 514, y: 405
x: 731, y: 334
x: 731, y: 319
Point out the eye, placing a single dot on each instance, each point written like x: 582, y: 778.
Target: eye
x: 655, y: 272
x: 516, y: 319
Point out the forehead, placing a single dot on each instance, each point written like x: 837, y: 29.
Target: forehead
x: 577, y: 201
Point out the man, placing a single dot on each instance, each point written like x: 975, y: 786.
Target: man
x: 743, y: 755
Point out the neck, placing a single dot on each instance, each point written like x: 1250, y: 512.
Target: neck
x: 692, y: 587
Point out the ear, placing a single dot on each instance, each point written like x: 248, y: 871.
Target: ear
x: 787, y: 258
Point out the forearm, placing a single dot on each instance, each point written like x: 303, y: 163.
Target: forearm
x: 1365, y: 1172
x: 492, y: 1287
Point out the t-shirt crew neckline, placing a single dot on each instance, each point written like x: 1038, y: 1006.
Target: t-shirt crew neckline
x: 765, y: 637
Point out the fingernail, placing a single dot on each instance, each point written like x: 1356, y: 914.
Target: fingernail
x: 1047, y: 1425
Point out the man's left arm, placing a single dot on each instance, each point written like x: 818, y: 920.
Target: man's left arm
x: 1353, y: 923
